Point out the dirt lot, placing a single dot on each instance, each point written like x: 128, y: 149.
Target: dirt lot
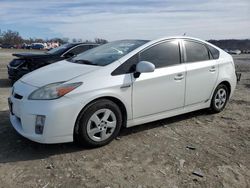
x: 150, y: 155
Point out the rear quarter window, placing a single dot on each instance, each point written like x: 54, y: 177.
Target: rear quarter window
x: 215, y: 53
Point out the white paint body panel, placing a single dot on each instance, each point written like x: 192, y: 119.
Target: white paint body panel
x: 200, y: 81
x: 150, y: 97
x: 158, y: 91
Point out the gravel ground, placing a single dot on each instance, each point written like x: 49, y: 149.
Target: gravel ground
x: 173, y: 152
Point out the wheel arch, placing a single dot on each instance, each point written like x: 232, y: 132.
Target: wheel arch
x: 227, y: 84
x: 117, y: 101
x: 121, y: 106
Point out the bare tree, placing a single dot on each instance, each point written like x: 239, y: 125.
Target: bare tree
x: 11, y: 37
x: 100, y: 41
x: 39, y: 40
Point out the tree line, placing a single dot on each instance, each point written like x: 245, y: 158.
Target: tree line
x: 11, y: 37
x: 232, y: 44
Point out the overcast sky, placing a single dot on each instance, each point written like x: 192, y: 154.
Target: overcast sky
x: 120, y: 19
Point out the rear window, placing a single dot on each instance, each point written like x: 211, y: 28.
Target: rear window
x: 196, y: 51
x: 61, y: 49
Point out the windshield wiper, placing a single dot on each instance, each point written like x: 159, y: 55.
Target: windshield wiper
x: 86, y: 62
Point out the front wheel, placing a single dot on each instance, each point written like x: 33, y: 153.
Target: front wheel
x: 220, y: 98
x: 99, y: 123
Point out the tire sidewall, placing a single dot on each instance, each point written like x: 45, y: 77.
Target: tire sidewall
x: 83, y: 136
x: 213, y: 106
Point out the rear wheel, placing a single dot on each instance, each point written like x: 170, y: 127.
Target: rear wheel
x: 220, y: 98
x: 99, y: 123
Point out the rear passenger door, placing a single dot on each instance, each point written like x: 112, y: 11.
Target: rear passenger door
x: 202, y: 72
x: 163, y: 89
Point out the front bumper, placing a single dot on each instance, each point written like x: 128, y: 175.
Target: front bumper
x: 60, y: 115
x: 18, y: 126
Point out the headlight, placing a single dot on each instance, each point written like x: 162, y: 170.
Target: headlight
x: 53, y: 91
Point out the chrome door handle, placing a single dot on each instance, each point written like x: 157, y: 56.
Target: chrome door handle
x: 179, y: 77
x: 213, y: 69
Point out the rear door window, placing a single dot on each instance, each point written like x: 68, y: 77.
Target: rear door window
x: 196, y: 51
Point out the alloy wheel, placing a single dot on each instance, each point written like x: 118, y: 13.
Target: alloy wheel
x: 220, y: 98
x: 101, y: 125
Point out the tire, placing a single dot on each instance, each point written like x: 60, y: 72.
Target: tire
x: 220, y: 98
x: 98, y: 124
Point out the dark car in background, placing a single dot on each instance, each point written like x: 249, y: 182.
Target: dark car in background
x: 37, y: 46
x: 27, y: 62
x: 8, y: 46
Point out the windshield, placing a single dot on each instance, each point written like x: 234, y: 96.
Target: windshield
x: 107, y: 53
x: 60, y: 49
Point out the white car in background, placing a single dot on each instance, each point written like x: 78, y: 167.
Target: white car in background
x: 88, y: 98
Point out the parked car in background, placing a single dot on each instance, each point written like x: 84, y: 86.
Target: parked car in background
x: 37, y: 46
x: 234, y: 52
x: 9, y: 46
x: 27, y: 62
x: 89, y: 97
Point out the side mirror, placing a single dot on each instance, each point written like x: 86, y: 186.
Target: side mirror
x: 68, y: 55
x: 143, y: 67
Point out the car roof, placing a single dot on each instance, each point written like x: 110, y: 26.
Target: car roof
x: 85, y: 43
x: 182, y: 37
x: 168, y: 38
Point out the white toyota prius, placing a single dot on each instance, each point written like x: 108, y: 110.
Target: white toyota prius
x: 89, y: 97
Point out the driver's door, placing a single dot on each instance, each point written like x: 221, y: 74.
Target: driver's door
x: 163, y: 89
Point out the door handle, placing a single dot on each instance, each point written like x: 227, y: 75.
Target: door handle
x: 179, y: 76
x: 125, y: 86
x: 212, y: 69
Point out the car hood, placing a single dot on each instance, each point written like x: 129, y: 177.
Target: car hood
x: 57, y: 72
x: 32, y: 55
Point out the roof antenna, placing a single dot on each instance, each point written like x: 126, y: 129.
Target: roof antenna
x: 184, y: 34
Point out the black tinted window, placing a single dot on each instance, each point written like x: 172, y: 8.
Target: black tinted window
x: 127, y: 67
x: 79, y: 49
x: 93, y: 46
x: 196, y: 51
x: 60, y: 49
x: 215, y: 53
x: 163, y: 54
